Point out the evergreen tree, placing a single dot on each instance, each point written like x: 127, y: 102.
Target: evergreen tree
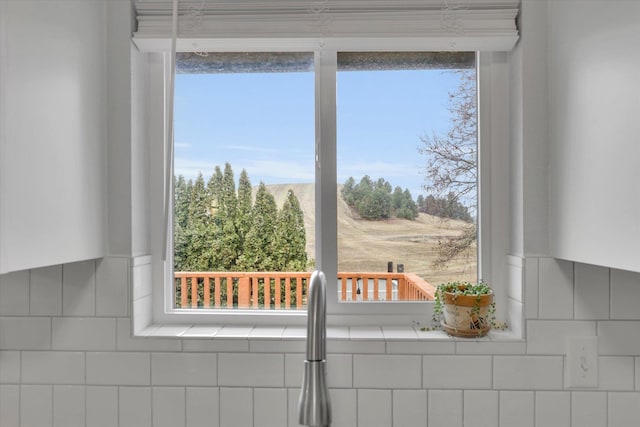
x: 421, y: 203
x: 348, y: 191
x: 227, y: 241
x: 200, y: 232
x: 182, y: 195
x: 289, y: 246
x: 257, y: 248
x: 243, y: 213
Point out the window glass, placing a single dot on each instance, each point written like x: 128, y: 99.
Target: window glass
x: 407, y: 173
x: 243, y: 180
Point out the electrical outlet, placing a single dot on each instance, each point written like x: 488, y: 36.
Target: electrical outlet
x: 582, y: 361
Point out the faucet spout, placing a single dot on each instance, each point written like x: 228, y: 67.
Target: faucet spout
x: 313, y: 405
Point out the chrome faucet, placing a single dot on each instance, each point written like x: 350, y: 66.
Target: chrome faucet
x: 314, y: 407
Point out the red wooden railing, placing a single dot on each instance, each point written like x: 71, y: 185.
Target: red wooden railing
x: 288, y: 290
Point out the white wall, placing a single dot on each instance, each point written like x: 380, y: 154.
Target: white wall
x: 52, y: 140
x: 67, y: 356
x: 594, y: 154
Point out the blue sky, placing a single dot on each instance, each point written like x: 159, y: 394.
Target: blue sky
x: 264, y: 123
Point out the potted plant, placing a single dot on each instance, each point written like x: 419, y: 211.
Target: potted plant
x: 464, y: 309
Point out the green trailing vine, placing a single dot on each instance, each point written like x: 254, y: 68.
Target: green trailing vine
x: 465, y: 288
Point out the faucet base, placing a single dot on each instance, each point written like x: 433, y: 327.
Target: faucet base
x: 314, y: 407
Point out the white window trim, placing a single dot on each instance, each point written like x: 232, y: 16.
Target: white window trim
x: 151, y: 301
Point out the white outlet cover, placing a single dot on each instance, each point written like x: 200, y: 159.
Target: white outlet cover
x: 582, y: 361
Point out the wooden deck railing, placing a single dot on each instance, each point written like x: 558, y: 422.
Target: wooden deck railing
x: 288, y: 290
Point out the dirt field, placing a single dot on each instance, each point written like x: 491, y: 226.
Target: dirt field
x: 369, y: 245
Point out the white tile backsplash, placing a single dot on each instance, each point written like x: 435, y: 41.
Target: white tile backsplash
x: 111, y: 368
x: 528, y: 372
x: 591, y: 292
x: 36, y: 406
x: 9, y: 367
x: 387, y: 371
x: 25, y: 333
x: 9, y: 405
x: 619, y: 338
x: 126, y: 342
x: 390, y: 376
x: 409, y: 408
x: 102, y: 406
x: 53, y: 367
x: 203, y: 407
x: 218, y: 345
x: 112, y: 283
x: 548, y: 337
x: 134, y: 407
x: 68, y: 406
x: 553, y: 408
x: 374, y: 408
x: 480, y: 408
x: 616, y: 373
x: 445, y: 408
x: 247, y: 369
x: 555, y: 289
x: 588, y: 409
x: 421, y: 347
x: 84, y: 333
x: 270, y: 407
x: 79, y: 289
x: 344, y: 407
x: 623, y: 409
x: 168, y: 406
x: 14, y: 294
x: 517, y: 408
x: 456, y: 372
x: 186, y: 369
x: 45, y: 291
x: 531, y: 288
x: 625, y: 294
x: 236, y: 404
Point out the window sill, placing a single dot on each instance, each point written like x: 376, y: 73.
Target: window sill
x: 334, y: 333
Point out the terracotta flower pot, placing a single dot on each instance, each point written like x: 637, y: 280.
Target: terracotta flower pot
x: 467, y: 315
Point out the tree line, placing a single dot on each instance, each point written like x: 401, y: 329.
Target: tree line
x: 376, y: 200
x: 444, y: 207
x: 217, y: 228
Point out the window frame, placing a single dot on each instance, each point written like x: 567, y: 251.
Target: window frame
x: 492, y: 241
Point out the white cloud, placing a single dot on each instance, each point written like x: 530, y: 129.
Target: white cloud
x: 181, y: 144
x: 377, y: 170
x: 289, y: 171
x: 269, y: 171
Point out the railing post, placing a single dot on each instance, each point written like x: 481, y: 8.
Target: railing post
x: 287, y: 291
x: 183, y: 292
x: 267, y: 292
x: 402, y: 289
x: 217, y: 290
x: 243, y: 292
x: 255, y: 292
x: 194, y: 292
x: 299, y: 291
x: 365, y: 288
x: 229, y: 292
x: 276, y: 285
x: 206, y: 293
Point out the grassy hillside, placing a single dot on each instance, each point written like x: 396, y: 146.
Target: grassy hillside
x: 369, y: 245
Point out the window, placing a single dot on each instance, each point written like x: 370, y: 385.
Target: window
x: 407, y: 170
x: 326, y: 64
x: 244, y: 170
x: 240, y: 244
x: 325, y: 31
